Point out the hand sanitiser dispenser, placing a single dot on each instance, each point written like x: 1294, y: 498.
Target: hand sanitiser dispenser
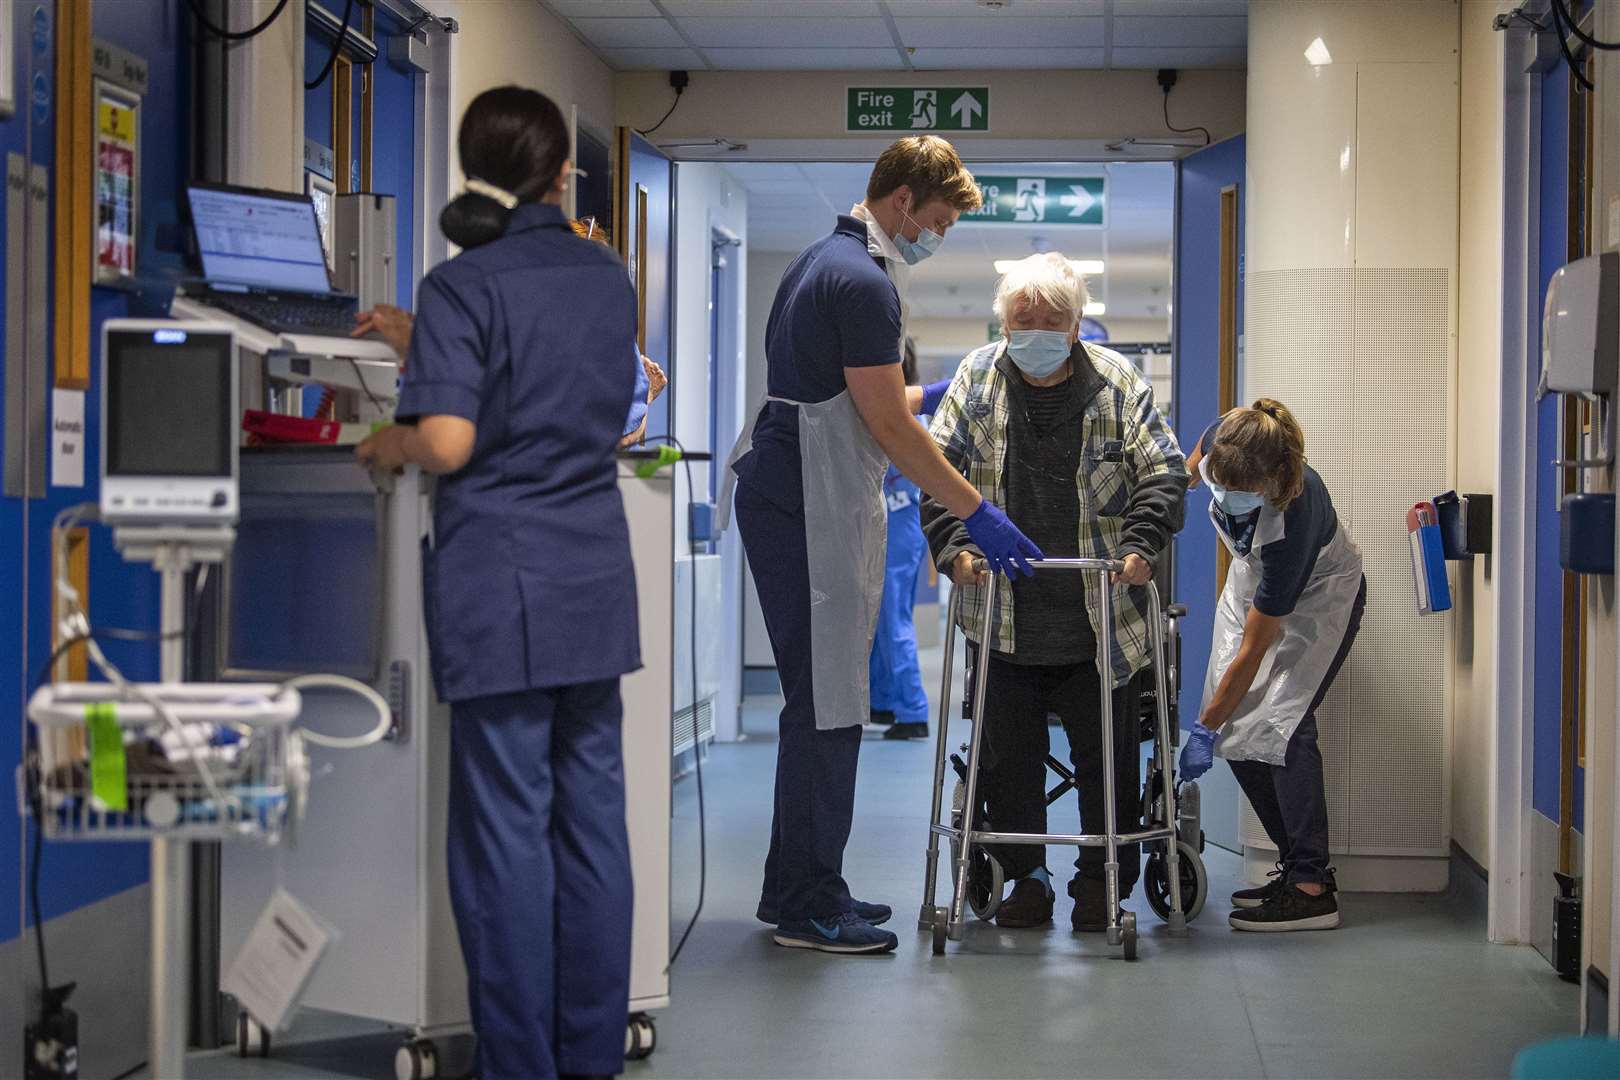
x: 1580, y: 327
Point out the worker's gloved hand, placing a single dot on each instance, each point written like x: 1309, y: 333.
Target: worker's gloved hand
x: 1198, y: 754
x: 1007, y: 550
x: 933, y: 394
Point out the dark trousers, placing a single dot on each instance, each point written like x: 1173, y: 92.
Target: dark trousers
x: 1290, y: 799
x: 539, y: 863
x: 815, y: 770
x: 1012, y: 767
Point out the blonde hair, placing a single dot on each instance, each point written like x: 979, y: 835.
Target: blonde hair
x: 930, y: 167
x: 1048, y: 279
x: 1261, y: 448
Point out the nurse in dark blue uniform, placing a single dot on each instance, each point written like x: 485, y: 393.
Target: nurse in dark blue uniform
x: 521, y: 361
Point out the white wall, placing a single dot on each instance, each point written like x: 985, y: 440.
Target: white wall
x: 708, y: 197
x: 1083, y: 108
x: 1478, y: 397
x: 519, y: 42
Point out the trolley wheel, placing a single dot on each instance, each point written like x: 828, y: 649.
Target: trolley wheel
x: 417, y: 1059
x: 1127, y: 933
x: 252, y: 1040
x: 942, y: 918
x: 640, y: 1037
x: 1194, y: 882
x: 986, y: 883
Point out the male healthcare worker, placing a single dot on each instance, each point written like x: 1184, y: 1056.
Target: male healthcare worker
x: 809, y: 502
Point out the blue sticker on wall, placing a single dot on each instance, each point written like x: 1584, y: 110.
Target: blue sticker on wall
x: 42, y: 29
x: 42, y: 98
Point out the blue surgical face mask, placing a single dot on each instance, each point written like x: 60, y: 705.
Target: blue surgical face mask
x: 915, y: 251
x: 1038, y: 353
x: 1236, y: 503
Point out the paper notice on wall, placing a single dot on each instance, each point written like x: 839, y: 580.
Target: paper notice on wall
x: 276, y: 962
x: 1614, y: 221
x: 67, y: 438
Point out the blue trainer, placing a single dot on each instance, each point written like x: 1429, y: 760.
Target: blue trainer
x: 876, y: 914
x: 839, y: 934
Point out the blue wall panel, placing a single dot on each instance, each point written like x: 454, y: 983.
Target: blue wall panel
x: 1548, y: 618
x: 1196, y: 396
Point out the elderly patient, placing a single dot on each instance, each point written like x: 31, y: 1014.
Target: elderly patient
x: 1066, y: 437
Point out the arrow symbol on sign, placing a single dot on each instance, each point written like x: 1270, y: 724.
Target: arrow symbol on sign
x: 965, y: 108
x: 1079, y: 202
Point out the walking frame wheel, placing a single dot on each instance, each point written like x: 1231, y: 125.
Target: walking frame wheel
x: 942, y: 918
x: 1127, y: 933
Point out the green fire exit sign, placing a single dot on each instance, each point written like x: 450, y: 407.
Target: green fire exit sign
x: 919, y: 108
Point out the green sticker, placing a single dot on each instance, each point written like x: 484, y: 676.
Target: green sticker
x: 667, y: 455
x: 108, y: 784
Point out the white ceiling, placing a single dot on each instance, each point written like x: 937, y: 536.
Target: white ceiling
x: 791, y: 205
x: 909, y: 35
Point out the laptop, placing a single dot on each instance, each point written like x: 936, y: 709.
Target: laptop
x: 263, y: 261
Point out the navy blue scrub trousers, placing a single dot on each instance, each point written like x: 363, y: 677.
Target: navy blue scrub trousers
x: 1291, y: 799
x: 539, y: 863
x: 815, y: 770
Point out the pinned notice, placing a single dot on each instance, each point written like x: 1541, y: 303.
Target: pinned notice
x: 67, y: 438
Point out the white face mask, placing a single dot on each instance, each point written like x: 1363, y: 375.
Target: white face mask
x: 915, y: 251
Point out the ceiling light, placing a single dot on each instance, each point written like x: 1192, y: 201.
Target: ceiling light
x: 1316, y: 53
x: 1084, y: 267
x: 1158, y: 142
x: 1095, y: 308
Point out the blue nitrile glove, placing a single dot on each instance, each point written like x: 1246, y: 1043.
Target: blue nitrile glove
x: 1198, y: 754
x: 933, y: 394
x: 1007, y: 550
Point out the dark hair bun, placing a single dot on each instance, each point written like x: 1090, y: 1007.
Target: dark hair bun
x: 471, y: 219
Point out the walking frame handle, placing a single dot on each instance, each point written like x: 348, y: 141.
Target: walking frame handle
x: 1113, y: 566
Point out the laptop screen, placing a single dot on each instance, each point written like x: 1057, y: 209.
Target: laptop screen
x: 264, y: 240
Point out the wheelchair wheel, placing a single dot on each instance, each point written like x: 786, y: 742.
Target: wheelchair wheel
x: 986, y: 883
x: 1194, y: 882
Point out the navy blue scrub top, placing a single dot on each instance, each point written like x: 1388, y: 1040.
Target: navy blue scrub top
x: 836, y: 308
x: 528, y: 582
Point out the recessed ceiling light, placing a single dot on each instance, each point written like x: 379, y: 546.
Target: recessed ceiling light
x: 1085, y: 267
x: 1096, y: 307
x: 1316, y: 53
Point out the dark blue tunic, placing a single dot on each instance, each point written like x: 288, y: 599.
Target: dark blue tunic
x: 528, y: 581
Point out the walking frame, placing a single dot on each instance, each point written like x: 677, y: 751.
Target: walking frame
x: 1178, y: 863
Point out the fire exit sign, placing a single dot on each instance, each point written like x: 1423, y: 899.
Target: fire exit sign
x: 918, y: 108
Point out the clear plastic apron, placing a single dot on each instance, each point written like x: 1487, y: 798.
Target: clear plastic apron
x: 1293, y: 668
x: 846, y: 529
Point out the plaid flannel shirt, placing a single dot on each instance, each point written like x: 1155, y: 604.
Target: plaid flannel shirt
x: 1125, y: 441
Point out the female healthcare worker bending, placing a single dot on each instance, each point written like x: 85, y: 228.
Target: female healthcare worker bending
x: 1285, y: 622
x: 522, y: 359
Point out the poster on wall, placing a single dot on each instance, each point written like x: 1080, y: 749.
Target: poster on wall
x: 118, y: 163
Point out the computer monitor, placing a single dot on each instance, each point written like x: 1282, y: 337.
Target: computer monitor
x: 169, y: 422
x: 255, y: 239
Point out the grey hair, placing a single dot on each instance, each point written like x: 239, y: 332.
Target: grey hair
x: 1046, y: 279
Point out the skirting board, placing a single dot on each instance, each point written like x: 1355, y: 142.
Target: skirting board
x: 1364, y: 873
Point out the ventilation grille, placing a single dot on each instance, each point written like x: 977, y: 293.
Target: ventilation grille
x: 684, y: 740
x: 1363, y: 358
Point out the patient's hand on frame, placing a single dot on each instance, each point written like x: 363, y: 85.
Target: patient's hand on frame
x: 962, y: 571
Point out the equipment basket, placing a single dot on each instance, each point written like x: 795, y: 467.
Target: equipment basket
x: 224, y: 763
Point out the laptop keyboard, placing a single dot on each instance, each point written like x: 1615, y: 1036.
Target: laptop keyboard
x: 306, y: 316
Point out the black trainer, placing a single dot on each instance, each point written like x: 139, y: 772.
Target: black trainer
x: 1253, y: 898
x: 905, y: 730
x: 1290, y: 910
x: 881, y: 718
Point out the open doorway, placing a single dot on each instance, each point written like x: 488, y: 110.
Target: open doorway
x: 1116, y: 220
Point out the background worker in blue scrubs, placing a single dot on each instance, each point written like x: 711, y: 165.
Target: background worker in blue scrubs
x: 522, y: 358
x: 809, y: 502
x: 898, y: 697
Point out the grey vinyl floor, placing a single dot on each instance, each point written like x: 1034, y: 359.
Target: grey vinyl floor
x: 1407, y: 988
